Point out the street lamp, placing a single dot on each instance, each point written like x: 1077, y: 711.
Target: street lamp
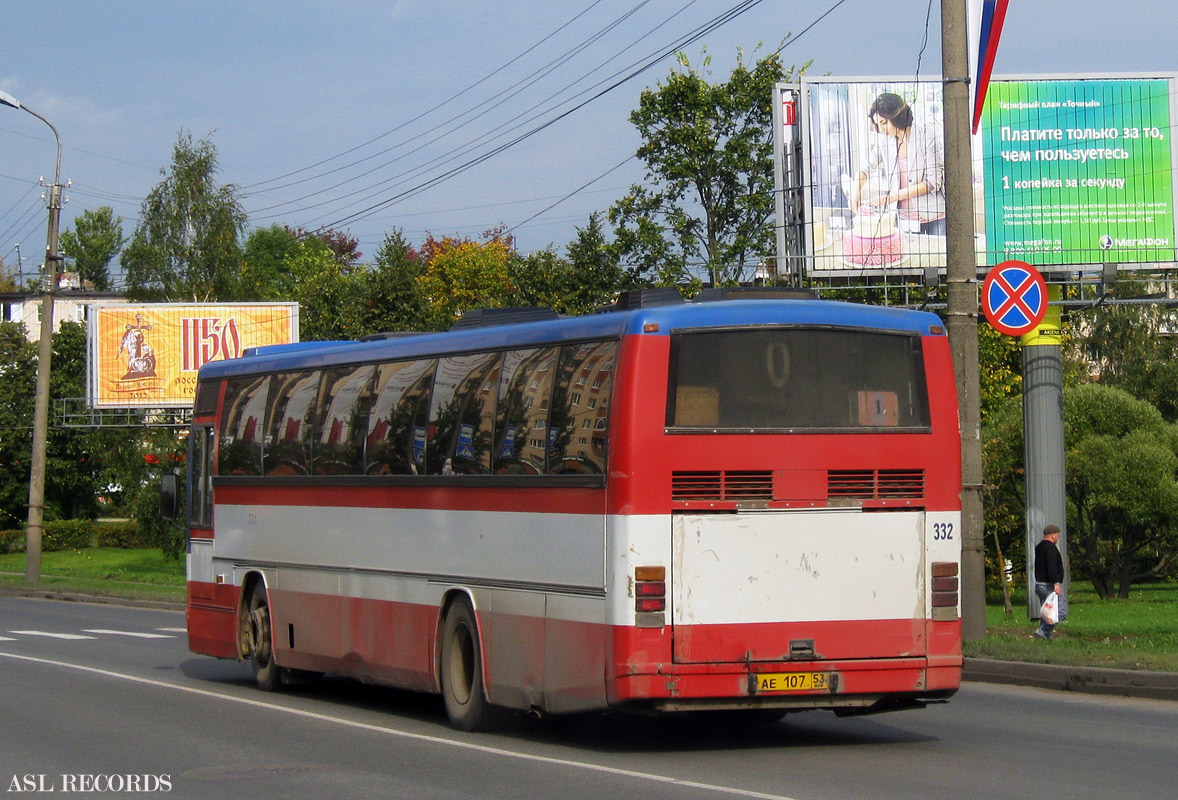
x: 44, y: 354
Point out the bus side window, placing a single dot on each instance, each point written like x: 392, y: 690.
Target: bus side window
x: 579, y: 420
x: 288, y: 424
x: 341, y: 421
x: 398, y: 418
x: 200, y: 467
x: 463, y: 415
x: 521, y: 426
x: 242, y: 417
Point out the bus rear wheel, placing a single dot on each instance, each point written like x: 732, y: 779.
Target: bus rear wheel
x: 257, y: 638
x: 462, y: 673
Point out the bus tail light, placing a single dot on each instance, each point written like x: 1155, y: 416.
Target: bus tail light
x: 650, y: 596
x: 945, y: 591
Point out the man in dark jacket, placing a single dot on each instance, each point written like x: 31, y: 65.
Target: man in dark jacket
x: 1048, y: 573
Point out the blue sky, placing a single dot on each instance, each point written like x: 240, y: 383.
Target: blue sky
x: 321, y: 111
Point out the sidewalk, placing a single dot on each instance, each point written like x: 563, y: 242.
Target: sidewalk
x: 1092, y: 680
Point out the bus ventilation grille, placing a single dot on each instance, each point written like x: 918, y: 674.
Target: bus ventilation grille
x: 722, y: 485
x: 871, y: 484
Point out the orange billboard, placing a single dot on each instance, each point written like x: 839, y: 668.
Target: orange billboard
x: 147, y: 355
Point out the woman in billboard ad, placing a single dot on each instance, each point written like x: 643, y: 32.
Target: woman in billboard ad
x: 905, y: 169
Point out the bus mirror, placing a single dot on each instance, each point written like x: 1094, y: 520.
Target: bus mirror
x: 170, y: 496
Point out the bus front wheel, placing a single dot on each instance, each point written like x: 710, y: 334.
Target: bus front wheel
x: 462, y: 674
x: 258, y: 641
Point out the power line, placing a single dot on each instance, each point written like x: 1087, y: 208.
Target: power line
x: 694, y: 36
x: 423, y: 114
x: 486, y: 105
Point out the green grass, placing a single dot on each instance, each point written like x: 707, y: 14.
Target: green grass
x: 103, y: 571
x: 1140, y: 632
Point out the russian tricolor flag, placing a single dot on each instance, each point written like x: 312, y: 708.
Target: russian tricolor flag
x: 993, y: 15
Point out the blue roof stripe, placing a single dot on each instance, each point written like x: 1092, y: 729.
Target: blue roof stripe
x: 314, y: 355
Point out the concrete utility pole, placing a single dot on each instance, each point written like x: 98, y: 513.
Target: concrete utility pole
x: 44, y: 354
x: 962, y: 309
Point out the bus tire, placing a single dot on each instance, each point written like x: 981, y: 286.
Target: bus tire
x: 462, y: 674
x: 259, y: 642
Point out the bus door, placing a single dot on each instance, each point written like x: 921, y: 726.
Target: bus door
x: 797, y: 585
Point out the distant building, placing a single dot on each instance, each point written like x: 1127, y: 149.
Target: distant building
x: 69, y: 305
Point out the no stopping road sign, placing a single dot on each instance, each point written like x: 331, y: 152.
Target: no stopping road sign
x: 1014, y: 298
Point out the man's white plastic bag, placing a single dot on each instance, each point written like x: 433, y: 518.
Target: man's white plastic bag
x: 1049, y: 613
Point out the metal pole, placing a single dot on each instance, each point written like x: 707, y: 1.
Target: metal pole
x: 1043, y: 443
x: 962, y: 310
x: 44, y: 355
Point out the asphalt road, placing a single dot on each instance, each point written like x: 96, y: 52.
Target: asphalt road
x: 121, y: 697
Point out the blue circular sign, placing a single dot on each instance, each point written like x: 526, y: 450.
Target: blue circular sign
x: 1014, y: 298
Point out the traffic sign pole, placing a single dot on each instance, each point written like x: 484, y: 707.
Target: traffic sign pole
x: 1043, y: 445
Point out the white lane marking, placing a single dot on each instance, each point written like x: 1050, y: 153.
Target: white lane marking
x: 173, y: 630
x: 7, y: 639
x: 420, y: 737
x: 128, y: 633
x: 69, y: 636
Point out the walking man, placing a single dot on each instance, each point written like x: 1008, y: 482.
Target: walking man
x: 1048, y: 573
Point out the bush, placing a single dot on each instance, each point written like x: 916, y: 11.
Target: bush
x: 121, y: 534
x: 154, y: 531
x: 12, y: 541
x: 67, y: 534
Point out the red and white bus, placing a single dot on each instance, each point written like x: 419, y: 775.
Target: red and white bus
x: 716, y: 504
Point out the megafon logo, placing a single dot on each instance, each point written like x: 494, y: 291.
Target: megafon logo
x: 1107, y: 242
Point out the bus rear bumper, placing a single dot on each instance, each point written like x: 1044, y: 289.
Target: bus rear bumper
x: 860, y: 684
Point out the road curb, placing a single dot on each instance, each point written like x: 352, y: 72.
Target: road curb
x: 1090, y: 680
x: 78, y: 597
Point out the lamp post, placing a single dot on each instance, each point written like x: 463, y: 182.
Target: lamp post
x: 44, y: 354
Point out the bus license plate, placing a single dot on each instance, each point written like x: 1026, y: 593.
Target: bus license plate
x: 791, y: 682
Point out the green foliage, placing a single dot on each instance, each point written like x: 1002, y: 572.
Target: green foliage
x: 589, y: 278
x: 266, y: 265
x: 67, y: 534
x: 97, y: 237
x: 1130, y: 347
x: 18, y: 379
x: 1122, y: 465
x: 330, y: 293
x: 71, y: 485
x: 460, y: 274
x: 12, y: 540
x: 1001, y: 365
x: 392, y: 299
x: 1121, y: 480
x: 186, y: 245
x: 153, y: 530
x: 707, y: 202
x: 120, y: 534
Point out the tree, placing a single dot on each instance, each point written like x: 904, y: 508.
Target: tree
x: 96, y: 238
x: 18, y: 377
x: 266, y: 264
x: 1122, y: 484
x: 596, y: 271
x: 461, y: 274
x: 707, y: 203
x: 71, y: 486
x: 392, y: 299
x: 1130, y: 347
x: 1121, y: 481
x: 187, y: 244
x: 330, y: 294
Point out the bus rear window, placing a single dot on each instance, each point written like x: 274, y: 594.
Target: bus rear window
x: 787, y: 379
